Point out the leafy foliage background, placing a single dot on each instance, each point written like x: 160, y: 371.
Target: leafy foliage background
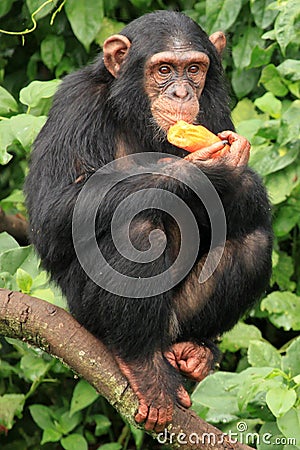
x: 41, y: 403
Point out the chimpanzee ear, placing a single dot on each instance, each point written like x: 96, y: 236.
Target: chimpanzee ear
x: 115, y: 49
x: 219, y: 40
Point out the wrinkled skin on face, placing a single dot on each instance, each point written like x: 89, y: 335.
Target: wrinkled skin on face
x: 173, y: 79
x: 174, y: 82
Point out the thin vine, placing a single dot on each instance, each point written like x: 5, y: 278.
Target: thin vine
x: 34, y: 21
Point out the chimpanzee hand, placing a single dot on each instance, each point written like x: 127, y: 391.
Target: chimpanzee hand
x: 192, y: 360
x: 235, y: 155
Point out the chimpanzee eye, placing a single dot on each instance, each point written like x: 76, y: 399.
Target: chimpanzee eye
x: 164, y: 70
x: 194, y: 69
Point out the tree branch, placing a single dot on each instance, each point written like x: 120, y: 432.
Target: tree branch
x: 15, y: 225
x: 55, y: 331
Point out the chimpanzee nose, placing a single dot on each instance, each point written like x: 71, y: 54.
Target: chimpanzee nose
x: 180, y: 92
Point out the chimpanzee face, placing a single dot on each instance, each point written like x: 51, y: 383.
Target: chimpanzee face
x: 174, y: 81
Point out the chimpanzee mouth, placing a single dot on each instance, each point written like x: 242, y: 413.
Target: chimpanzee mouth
x: 168, y: 120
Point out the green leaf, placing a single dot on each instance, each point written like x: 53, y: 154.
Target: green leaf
x: 6, y: 369
x: 280, y: 184
x: 289, y: 424
x: 85, y: 17
x: 269, y: 35
x: 44, y: 293
x: 38, y: 96
x: 256, y: 381
x: 239, y: 337
x: 271, y: 436
x: 283, y: 309
x: 68, y: 422
x: 108, y: 28
x: 284, y: 268
x: 7, y: 102
x: 263, y: 354
x: 267, y: 160
x: 243, y: 81
x: 219, y: 393
x: 6, y: 139
x: 17, y: 196
x: 269, y: 131
x: 286, y: 29
x: 5, y: 6
x: 112, y: 446
x: 242, y: 50
x: 11, y: 260
x: 33, y: 6
x: 291, y: 360
x: 263, y: 17
x: 285, y: 220
x: 102, y: 424
x: 43, y: 417
x: 221, y: 14
x: 11, y: 405
x: 280, y: 400
x: 7, y: 242
x: 74, y: 442
x: 225, y: 393
x: 272, y: 81
x: 7, y: 281
x: 249, y: 129
x: 290, y: 127
x: 294, y: 88
x: 52, y: 50
x: 50, y: 435
x: 243, y: 111
x: 24, y: 281
x: 84, y: 395
x: 33, y: 366
x: 31, y: 263
x: 138, y: 436
x: 261, y: 56
x: 268, y: 103
x: 40, y: 280
x: 66, y: 65
x: 25, y: 128
x: 290, y: 69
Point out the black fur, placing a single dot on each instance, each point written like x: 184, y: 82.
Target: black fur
x: 91, y: 114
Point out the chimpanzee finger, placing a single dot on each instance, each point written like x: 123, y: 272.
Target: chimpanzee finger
x: 162, y: 419
x: 142, y: 413
x: 188, y: 365
x: 183, y: 397
x: 171, y: 358
x: 169, y: 415
x: 206, y: 152
x: 240, y: 148
x: 152, y: 419
x: 235, y: 139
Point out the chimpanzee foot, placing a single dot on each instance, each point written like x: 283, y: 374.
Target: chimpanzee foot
x: 192, y: 360
x: 157, y: 391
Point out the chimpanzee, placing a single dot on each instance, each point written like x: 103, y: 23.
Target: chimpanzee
x: 161, y: 68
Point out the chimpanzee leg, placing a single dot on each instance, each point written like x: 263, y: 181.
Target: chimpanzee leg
x: 157, y: 387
